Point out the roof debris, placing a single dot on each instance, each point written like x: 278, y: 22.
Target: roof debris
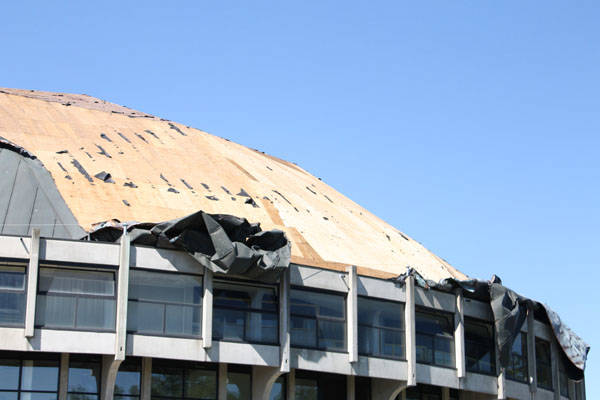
x: 105, y: 137
x: 151, y: 133
x: 104, y: 177
x: 212, y: 198
x: 126, y: 203
x: 310, y: 190
x: 173, y: 190
x: 61, y: 167
x: 331, y: 201
x: 130, y: 184
x: 124, y: 137
x: 81, y: 170
x: 283, y: 197
x: 102, y: 151
x: 205, y: 186
x: 187, y: 185
x: 243, y: 193
x: 250, y: 200
x: 225, y: 190
x: 175, y: 128
x: 165, y: 179
x: 141, y: 137
x: 62, y: 152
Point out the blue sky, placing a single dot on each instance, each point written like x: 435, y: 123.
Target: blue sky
x: 472, y: 126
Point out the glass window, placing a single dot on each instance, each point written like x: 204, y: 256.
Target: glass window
x: 278, y: 391
x: 318, y: 320
x: 543, y: 364
x: 306, y: 389
x: 12, y: 295
x: 479, y: 347
x: 435, y: 338
x: 28, y: 379
x: 563, y: 378
x: 380, y: 328
x: 183, y: 381
x: 517, y: 367
x: 84, y: 377
x: 423, y: 392
x: 245, y: 313
x: 128, y: 382
x: 165, y: 304
x: 362, y: 388
x: 239, y: 386
x: 311, y: 385
x: 76, y: 299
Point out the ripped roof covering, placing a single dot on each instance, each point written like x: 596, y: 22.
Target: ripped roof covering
x: 160, y: 170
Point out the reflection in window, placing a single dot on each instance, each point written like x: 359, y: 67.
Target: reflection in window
x: 306, y: 389
x: 245, y: 313
x: 380, y: 328
x: 128, y: 383
x: 479, y: 347
x: 563, y: 378
x: 517, y: 365
x: 543, y: 364
x: 84, y: 377
x: 76, y: 299
x: 311, y: 385
x: 278, y: 390
x: 12, y: 295
x: 318, y: 320
x: 183, y: 381
x: 427, y: 392
x: 28, y: 378
x: 435, y: 338
x: 239, y: 383
x: 165, y: 304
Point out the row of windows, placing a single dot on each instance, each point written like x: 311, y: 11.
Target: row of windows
x: 167, y: 304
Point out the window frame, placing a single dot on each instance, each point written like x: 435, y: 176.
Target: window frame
x: 23, y: 292
x: 443, y: 314
x: 546, y: 365
x: 81, y: 358
x: 488, y: 325
x: 20, y: 358
x: 385, y: 328
x: 524, y: 347
x: 185, y: 366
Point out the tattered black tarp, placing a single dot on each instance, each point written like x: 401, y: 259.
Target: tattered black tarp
x: 222, y: 243
x: 510, y: 312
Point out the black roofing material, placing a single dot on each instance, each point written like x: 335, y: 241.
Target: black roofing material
x: 213, y: 198
x: 310, y: 190
x: 243, y: 193
x: 124, y: 137
x: 151, y: 133
x: 61, y: 167
x: 141, y: 137
x: 7, y: 144
x: 105, y: 137
x: 205, y: 186
x: 172, y: 190
x: 62, y: 152
x: 283, y: 197
x: 331, y: 201
x: 165, y: 179
x: 81, y: 170
x: 226, y: 190
x: 104, y: 177
x: 510, y: 312
x: 102, y: 151
x: 126, y: 203
x: 175, y: 128
x: 222, y: 243
x: 131, y: 185
x: 250, y: 200
x: 187, y: 185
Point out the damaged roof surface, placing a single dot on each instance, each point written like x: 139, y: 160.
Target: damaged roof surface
x: 111, y: 162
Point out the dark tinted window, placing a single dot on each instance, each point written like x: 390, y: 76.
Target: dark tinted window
x: 84, y: 377
x: 517, y: 367
x: 543, y: 364
x: 479, y: 347
x: 380, y: 328
x: 435, y: 338
x: 12, y: 295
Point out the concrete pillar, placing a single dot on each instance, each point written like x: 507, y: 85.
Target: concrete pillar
x: 531, y: 362
x: 263, y: 379
x: 386, y: 389
x: 352, y: 312
x: 445, y: 393
x: 411, y: 335
x: 459, y: 336
x: 572, y: 391
x: 291, y: 385
x: 32, y: 280
x: 207, y: 309
x: 110, y: 367
x: 350, y: 387
x: 222, y: 385
x: 284, y: 321
x: 122, y: 297
x: 146, y: 384
x: 63, y: 379
x: 554, y: 353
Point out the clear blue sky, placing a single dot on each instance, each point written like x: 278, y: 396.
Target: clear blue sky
x: 472, y: 126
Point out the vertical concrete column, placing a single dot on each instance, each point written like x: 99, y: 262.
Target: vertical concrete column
x: 291, y: 385
x: 350, y: 387
x: 110, y: 368
x: 445, y: 393
x: 284, y: 321
x: 222, y: 386
x: 531, y: 362
x: 63, y: 379
x: 459, y: 335
x: 32, y: 280
x: 263, y: 379
x: 554, y: 353
x: 207, y: 309
x: 352, y: 311
x: 410, y: 331
x: 122, y: 296
x: 572, y: 390
x: 146, y: 384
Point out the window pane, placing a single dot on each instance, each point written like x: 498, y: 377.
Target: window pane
x: 306, y: 389
x: 229, y: 324
x: 167, y: 381
x: 308, y: 303
x: 165, y: 287
x: 183, y: 320
x: 332, y: 335
x: 543, y: 364
x: 444, y: 352
x: 12, y: 308
x: 380, y: 313
x: 38, y: 396
x: 201, y: 384
x: 145, y: 317
x: 424, y: 349
x: 39, y: 375
x: 433, y: 324
x: 128, y: 378
x: 63, y: 280
x: 12, y: 278
x: 81, y: 396
x: 479, y: 347
x: 9, y: 395
x: 278, y: 389
x: 303, y: 332
x: 9, y: 374
x: 55, y: 311
x: 84, y: 376
x: 517, y: 368
x: 238, y: 386
x: 95, y: 313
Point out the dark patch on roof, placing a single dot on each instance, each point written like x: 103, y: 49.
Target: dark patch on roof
x: 205, y: 186
x: 89, y: 155
x: 243, y: 193
x: 401, y: 234
x: 175, y: 128
x: 62, y: 152
x: 67, y: 104
x: 283, y: 197
x: 187, y: 185
x: 68, y: 177
x: 212, y: 198
x: 102, y: 151
x: 296, y: 209
x: 130, y: 184
x: 124, y: 137
x: 61, y: 167
x: 81, y: 170
x: 141, y: 137
x: 326, y: 219
x: 331, y: 201
x: 165, y: 179
x: 173, y: 190
x: 250, y: 200
x: 151, y: 133
x: 388, y: 237
x: 226, y: 190
x: 310, y: 190
x: 269, y: 168
x: 126, y: 203
x: 105, y: 137
x: 233, y: 198
x: 104, y: 177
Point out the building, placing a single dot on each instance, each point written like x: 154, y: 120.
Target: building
x: 91, y: 319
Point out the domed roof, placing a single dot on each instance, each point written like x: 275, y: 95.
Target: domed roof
x: 111, y: 162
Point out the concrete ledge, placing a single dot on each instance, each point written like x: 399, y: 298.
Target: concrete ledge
x: 322, y: 361
x: 432, y: 375
x: 72, y: 251
x: 516, y: 390
x: 435, y: 299
x: 481, y: 383
x: 165, y: 347
x: 381, y: 368
x: 164, y: 260
x: 58, y: 341
x: 243, y: 353
x: 381, y: 289
x: 317, y: 278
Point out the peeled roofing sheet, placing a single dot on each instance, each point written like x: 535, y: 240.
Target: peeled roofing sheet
x: 164, y: 170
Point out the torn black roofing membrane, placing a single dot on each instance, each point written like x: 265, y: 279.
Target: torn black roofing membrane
x: 124, y: 137
x: 243, y: 193
x: 130, y: 184
x: 151, y: 133
x: 175, y: 128
x: 104, y: 176
x: 222, y: 243
x: 187, y: 185
x: 102, y: 151
x: 105, y: 137
x: 7, y: 144
x: 81, y: 170
x: 510, y: 311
